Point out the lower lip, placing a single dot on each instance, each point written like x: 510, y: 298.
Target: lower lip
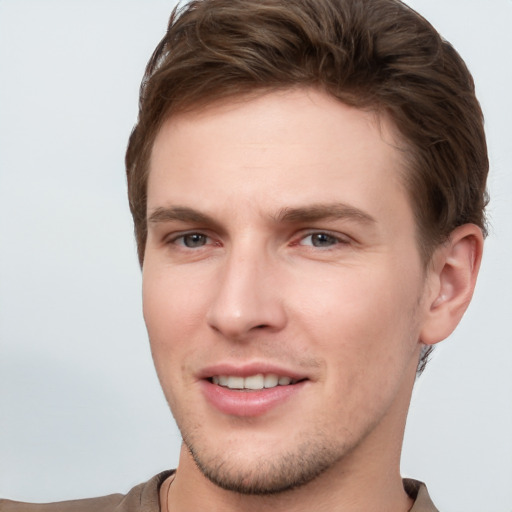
x: 248, y: 403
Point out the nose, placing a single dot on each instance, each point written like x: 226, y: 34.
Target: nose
x: 247, y: 297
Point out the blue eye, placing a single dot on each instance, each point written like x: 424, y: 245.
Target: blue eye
x: 193, y: 240
x: 320, y: 240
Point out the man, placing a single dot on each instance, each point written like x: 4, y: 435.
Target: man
x: 307, y: 181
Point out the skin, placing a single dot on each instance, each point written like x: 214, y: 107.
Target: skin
x: 279, y: 233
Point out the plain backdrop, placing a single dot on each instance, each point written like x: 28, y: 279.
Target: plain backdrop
x: 81, y: 411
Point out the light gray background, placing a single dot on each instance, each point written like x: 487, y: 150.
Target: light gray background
x: 81, y: 412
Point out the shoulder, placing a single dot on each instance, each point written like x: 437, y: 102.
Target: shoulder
x: 105, y: 503
x: 418, y: 492
x: 143, y: 497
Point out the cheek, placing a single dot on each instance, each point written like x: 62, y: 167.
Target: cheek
x: 172, y: 303
x: 360, y: 318
x: 173, y: 312
x: 365, y: 330
x: 351, y: 296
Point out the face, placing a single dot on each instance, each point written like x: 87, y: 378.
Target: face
x: 282, y: 285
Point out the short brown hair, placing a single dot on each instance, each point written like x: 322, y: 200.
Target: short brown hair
x: 377, y: 54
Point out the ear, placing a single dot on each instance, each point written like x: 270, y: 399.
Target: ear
x: 451, y: 278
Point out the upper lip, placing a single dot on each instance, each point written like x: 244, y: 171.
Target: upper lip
x: 248, y: 369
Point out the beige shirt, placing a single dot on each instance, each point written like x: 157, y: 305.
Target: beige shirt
x: 145, y: 498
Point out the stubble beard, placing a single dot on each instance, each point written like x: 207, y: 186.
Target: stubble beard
x: 266, y: 476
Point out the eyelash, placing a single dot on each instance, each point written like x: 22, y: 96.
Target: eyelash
x: 336, y: 239
x: 174, y: 240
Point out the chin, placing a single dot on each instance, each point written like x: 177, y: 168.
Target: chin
x: 266, y: 474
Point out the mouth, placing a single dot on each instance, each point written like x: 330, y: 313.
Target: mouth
x: 251, y: 389
x: 255, y: 382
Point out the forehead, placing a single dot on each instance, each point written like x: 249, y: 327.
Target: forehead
x: 279, y: 147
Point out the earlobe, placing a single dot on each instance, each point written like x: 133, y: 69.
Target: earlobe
x: 452, y: 278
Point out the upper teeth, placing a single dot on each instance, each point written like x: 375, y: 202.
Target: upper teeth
x: 258, y: 381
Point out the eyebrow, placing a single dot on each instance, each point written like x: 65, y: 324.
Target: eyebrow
x: 310, y: 213
x: 179, y: 213
x: 316, y: 212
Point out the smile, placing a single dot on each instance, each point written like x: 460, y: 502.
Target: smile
x: 252, y: 382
